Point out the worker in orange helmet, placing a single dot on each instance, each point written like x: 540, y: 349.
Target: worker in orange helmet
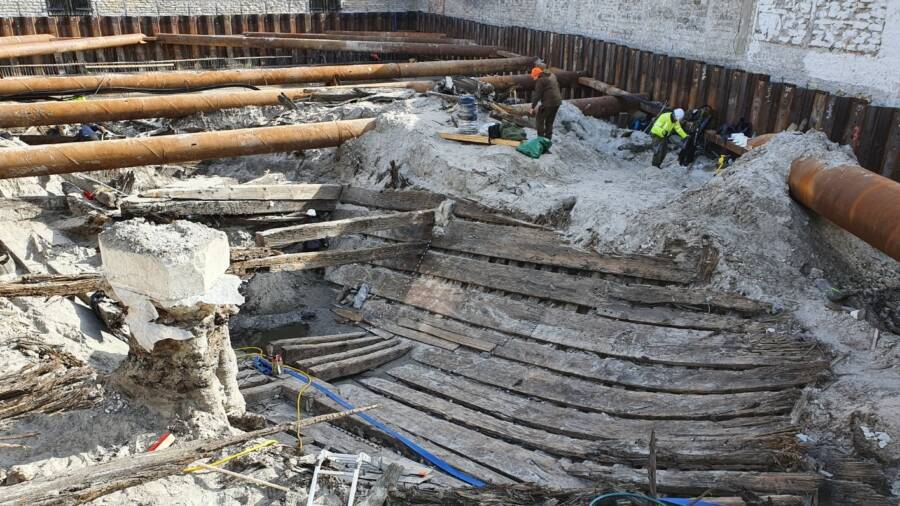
x: 547, y: 94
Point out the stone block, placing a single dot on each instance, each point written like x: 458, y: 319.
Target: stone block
x: 174, y: 264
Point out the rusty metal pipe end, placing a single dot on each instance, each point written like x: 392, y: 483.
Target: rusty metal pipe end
x: 860, y: 201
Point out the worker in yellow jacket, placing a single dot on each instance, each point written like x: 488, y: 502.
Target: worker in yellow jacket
x: 662, y: 129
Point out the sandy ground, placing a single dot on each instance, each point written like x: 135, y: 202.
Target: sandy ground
x: 771, y: 248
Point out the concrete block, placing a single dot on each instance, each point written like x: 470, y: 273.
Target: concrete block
x: 174, y: 264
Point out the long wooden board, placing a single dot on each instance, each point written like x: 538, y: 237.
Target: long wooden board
x: 561, y: 287
x: 180, y: 208
x: 479, y: 139
x: 328, y: 258
x: 294, y: 353
x: 645, y: 343
x: 306, y: 363
x: 681, y: 453
x: 547, y: 248
x: 289, y: 235
x: 415, y: 335
x: 507, y: 459
x: 318, y: 339
x: 50, y: 285
x: 417, y: 200
x: 356, y: 365
x: 693, y: 483
x: 321, y: 404
x: 250, y: 192
x: 446, y: 335
x: 560, y: 419
x: 583, y: 394
x: 581, y: 290
x: 657, y: 378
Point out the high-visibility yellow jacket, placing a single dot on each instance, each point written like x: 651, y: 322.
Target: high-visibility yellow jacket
x: 664, y: 125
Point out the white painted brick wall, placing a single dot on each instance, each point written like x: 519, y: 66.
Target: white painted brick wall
x: 848, y: 46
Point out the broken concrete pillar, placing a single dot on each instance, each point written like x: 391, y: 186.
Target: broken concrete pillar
x: 172, y: 280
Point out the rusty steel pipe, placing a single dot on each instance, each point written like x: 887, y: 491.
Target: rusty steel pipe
x: 69, y: 45
x: 566, y: 79
x: 112, y: 109
x: 187, y: 80
x: 326, y: 45
x: 23, y: 39
x: 104, y: 155
x: 860, y: 201
x: 386, y: 34
x: 397, y: 37
x: 600, y: 107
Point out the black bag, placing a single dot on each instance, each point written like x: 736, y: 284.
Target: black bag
x: 494, y: 131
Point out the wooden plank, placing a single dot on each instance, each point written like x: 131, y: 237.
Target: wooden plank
x: 524, y: 436
x: 318, y: 339
x: 817, y: 116
x: 250, y: 192
x: 647, y: 343
x: 289, y: 235
x: 414, y: 335
x: 691, y: 483
x: 296, y: 352
x: 655, y: 378
x: 447, y: 335
x: 50, y: 286
x: 321, y: 404
x: 134, y: 206
x: 757, y: 109
x: 383, y: 309
x: 478, y: 139
x: 306, y: 363
x: 330, y: 258
x: 853, y: 130
x: 507, y: 459
x: 677, y: 77
x: 692, y: 437
x: 733, y: 105
x: 415, y: 200
x: 620, y: 402
x: 584, y: 291
x: 357, y: 365
x: 549, y: 248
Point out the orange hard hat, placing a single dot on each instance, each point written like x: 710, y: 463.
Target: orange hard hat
x: 536, y: 72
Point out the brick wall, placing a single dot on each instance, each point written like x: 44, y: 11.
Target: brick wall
x: 202, y: 7
x: 845, y: 46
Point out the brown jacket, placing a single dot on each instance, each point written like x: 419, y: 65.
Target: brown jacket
x: 546, y: 91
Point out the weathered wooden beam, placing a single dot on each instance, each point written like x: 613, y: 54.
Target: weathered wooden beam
x: 296, y: 352
x: 580, y: 290
x: 136, y: 206
x: 447, y: 335
x: 416, y: 200
x: 250, y: 192
x: 693, y: 438
x: 589, y: 395
x: 632, y: 341
x: 414, y: 335
x: 49, y: 285
x: 548, y: 248
x: 328, y: 258
x: 356, y: 365
x: 289, y: 235
x: 692, y: 483
x: 505, y: 458
x: 318, y: 339
x: 88, y: 483
x: 306, y: 363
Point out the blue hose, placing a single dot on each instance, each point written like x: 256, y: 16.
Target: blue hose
x: 264, y: 367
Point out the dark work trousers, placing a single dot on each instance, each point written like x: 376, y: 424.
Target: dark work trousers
x: 544, y: 120
x: 660, y: 148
